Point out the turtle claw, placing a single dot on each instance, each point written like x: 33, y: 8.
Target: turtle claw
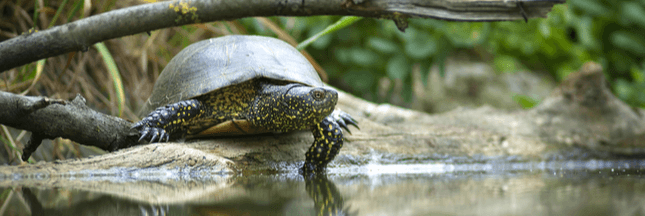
x: 163, y: 121
x: 163, y: 136
x: 137, y: 125
x: 344, y: 126
x: 144, y: 133
x: 155, y: 134
x: 343, y: 119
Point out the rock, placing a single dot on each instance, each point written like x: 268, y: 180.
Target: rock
x: 474, y: 84
x: 583, y: 111
x: 580, y: 114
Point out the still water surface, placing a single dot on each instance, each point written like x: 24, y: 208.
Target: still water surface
x: 592, y: 187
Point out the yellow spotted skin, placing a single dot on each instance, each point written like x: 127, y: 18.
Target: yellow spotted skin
x: 328, y: 140
x: 270, y: 105
x: 292, y: 107
x: 327, y: 198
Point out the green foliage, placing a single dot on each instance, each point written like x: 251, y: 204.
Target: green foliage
x: 525, y: 101
x: 358, y: 56
x: 612, y: 32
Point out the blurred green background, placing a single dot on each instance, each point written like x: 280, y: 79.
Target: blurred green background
x: 608, y: 32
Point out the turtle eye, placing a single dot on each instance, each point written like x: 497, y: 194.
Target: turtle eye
x: 318, y: 94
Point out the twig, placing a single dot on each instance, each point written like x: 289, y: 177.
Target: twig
x: 81, y: 34
x: 50, y: 118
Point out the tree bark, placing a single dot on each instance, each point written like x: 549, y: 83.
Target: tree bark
x: 81, y: 34
x: 49, y: 118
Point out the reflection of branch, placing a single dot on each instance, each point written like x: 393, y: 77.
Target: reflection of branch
x: 105, y: 204
x: 6, y: 202
x: 50, y: 118
x: 35, y: 206
x: 81, y: 34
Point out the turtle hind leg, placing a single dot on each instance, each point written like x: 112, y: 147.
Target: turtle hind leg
x: 167, y: 121
x: 328, y: 140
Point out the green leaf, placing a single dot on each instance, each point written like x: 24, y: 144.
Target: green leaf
x: 545, y: 29
x: 467, y: 34
x: 323, y: 41
x: 410, y: 34
x: 528, y: 48
x: 360, y: 80
x: 505, y: 64
x: 382, y: 45
x: 623, y: 89
x: 585, y: 33
x: 343, y: 55
x: 398, y: 68
x: 628, y: 41
x: 589, y: 6
x: 620, y: 60
x: 421, y: 48
x: 563, y: 71
x: 363, y: 57
x: 634, y: 12
x: 419, y: 44
x: 525, y: 101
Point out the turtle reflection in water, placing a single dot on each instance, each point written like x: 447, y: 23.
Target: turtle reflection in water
x: 327, y: 199
x: 236, y: 85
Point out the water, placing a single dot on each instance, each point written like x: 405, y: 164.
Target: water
x: 590, y: 187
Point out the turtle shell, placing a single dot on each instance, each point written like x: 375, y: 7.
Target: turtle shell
x: 215, y: 63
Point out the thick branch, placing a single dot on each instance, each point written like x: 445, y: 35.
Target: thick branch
x: 47, y: 118
x: 81, y: 34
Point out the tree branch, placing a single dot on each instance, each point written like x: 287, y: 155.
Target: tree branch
x: 81, y: 34
x: 50, y: 118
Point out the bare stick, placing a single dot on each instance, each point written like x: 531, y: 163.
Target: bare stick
x: 81, y: 34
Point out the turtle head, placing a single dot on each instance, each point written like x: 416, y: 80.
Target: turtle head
x: 305, y: 102
x: 295, y: 106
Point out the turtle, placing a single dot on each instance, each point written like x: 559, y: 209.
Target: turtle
x: 239, y: 85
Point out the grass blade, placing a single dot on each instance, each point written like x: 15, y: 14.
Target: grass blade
x: 342, y: 23
x: 114, y: 73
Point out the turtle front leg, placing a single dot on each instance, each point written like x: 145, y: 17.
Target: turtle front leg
x: 168, y: 120
x: 328, y: 140
x: 344, y: 119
